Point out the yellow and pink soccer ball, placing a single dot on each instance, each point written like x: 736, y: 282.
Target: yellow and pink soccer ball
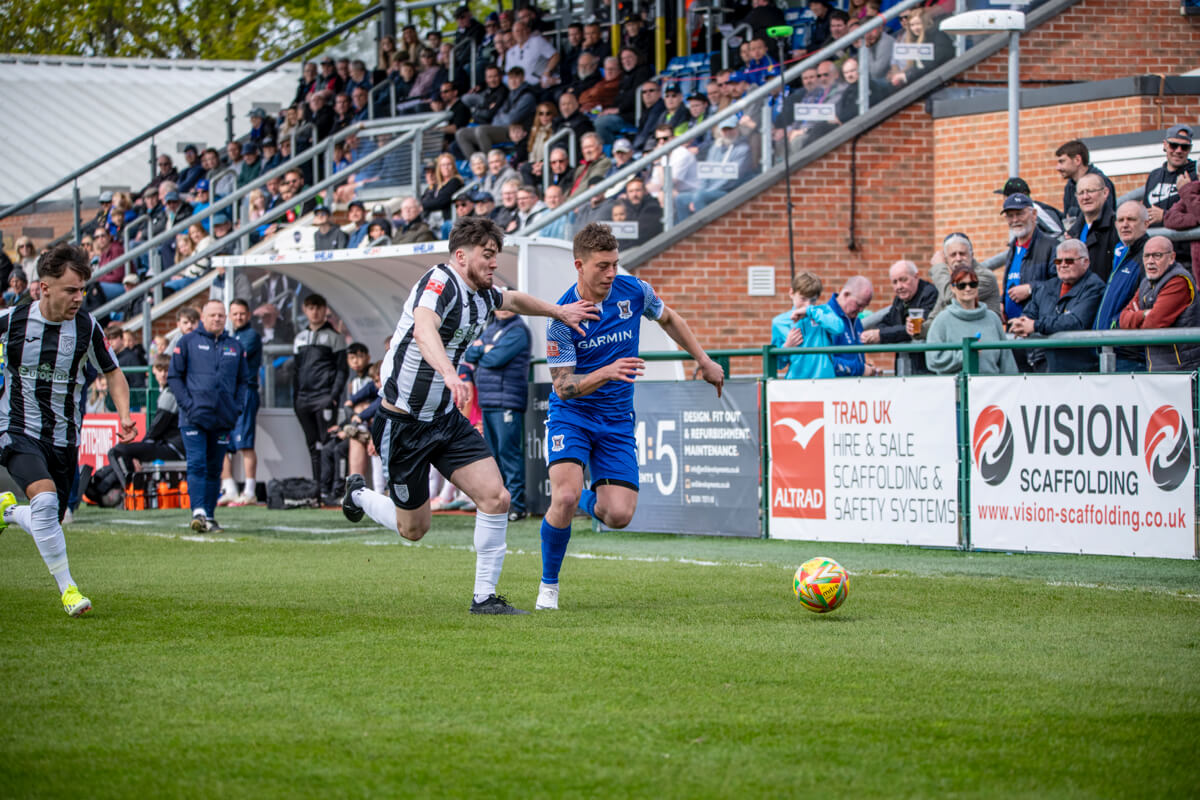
x: 821, y: 584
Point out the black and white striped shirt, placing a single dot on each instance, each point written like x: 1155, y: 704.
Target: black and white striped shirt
x: 411, y: 384
x: 43, y: 373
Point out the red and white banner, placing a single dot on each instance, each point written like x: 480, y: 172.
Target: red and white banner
x: 867, y: 460
x: 1102, y: 464
x: 99, y: 435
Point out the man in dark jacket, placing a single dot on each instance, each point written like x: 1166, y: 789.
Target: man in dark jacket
x: 1166, y: 298
x: 1030, y: 258
x: 644, y: 209
x: 1096, y: 224
x: 1073, y: 162
x: 209, y: 378
x: 1067, y: 302
x: 911, y: 293
x: 517, y: 107
x: 1126, y: 275
x: 1162, y: 185
x: 501, y: 357
x: 320, y: 373
x: 327, y: 236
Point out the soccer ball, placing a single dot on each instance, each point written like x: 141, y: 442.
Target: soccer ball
x: 821, y: 584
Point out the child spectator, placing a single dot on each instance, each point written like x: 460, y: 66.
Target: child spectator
x: 807, y: 324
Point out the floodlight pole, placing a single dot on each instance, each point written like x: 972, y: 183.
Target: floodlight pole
x: 779, y: 33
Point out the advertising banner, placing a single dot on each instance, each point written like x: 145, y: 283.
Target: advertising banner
x: 868, y: 460
x: 698, y: 457
x: 98, y: 435
x: 1102, y: 464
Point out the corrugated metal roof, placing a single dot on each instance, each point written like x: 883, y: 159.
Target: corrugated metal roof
x: 62, y: 112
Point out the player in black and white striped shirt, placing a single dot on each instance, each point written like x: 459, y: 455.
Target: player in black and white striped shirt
x: 46, y: 347
x: 419, y: 424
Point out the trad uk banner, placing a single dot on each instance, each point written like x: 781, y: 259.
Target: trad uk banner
x: 1102, y: 464
x: 864, y: 460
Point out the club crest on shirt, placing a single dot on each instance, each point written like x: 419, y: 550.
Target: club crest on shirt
x: 556, y: 443
x: 623, y: 309
x: 552, y: 349
x: 66, y: 342
x: 401, y: 491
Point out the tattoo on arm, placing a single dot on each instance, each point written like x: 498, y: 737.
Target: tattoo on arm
x: 566, y: 382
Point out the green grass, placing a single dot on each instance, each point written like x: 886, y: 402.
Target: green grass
x: 325, y: 661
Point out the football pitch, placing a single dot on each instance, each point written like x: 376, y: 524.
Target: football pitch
x: 296, y: 655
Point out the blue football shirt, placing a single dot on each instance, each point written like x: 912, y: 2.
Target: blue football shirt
x: 615, y: 335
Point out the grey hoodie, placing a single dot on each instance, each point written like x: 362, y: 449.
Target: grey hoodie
x: 957, y: 323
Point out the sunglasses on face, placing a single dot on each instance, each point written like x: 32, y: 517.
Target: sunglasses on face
x: 962, y: 286
x: 1177, y: 146
x: 1068, y: 261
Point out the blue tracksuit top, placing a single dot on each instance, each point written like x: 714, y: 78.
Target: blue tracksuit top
x: 209, y: 378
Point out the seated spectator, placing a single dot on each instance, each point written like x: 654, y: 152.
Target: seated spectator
x: 1126, y: 276
x: 328, y: 80
x: 569, y: 51
x: 1073, y: 161
x: 1067, y: 302
x: 545, y: 119
x: 460, y: 114
x: 326, y: 237
x: 560, y: 170
x: 912, y: 293
x: 166, y: 172
x: 403, y: 75
x: 251, y: 168
x: 506, y: 212
x: 199, y: 201
x: 487, y: 101
x: 1185, y: 215
x: 529, y: 205
x: 643, y: 209
x: 880, y: 43
x: 498, y: 172
x: 193, y: 172
x: 17, y: 294
x: 517, y: 107
x: 965, y: 318
x: 587, y: 76
x: 603, y: 93
x: 561, y: 227
x: 621, y: 112
x: 412, y: 228
x: 1166, y: 298
x: 184, y: 249
x: 683, y: 169
x: 726, y: 148
x: 358, y: 76
x: 318, y: 114
x: 104, y: 250
x: 468, y: 36
x: 126, y: 357
x: 921, y: 30
x: 477, y: 164
x: 379, y: 233
x: 957, y: 251
x: 761, y: 67
x: 622, y: 156
x: 1095, y: 226
x: 653, y: 109
x: 634, y: 34
x: 806, y: 324
x: 441, y: 187
x: 430, y: 77
x: 485, y: 204
x: 592, y: 168
x: 675, y: 112
x: 163, y: 440
x: 356, y: 228
x: 410, y: 42
x: 343, y: 112
x: 261, y: 126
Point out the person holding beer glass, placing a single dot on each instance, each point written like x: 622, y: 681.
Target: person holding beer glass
x: 965, y: 318
x: 904, y: 319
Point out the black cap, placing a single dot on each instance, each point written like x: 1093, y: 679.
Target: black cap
x: 358, y: 203
x: 1013, y: 186
x: 671, y: 87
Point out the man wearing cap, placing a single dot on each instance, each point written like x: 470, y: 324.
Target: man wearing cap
x: 468, y: 36
x: 464, y: 206
x: 270, y: 158
x: 1049, y: 218
x: 485, y: 204
x: 411, y: 227
x: 105, y: 200
x: 1066, y: 302
x: 193, y: 172
x: 261, y: 126
x: 356, y: 228
x: 200, y: 202
x: 1096, y: 224
x: 622, y: 155
x: 1163, y: 184
x: 251, y: 166
x: 327, y: 236
x: 634, y: 35
x: 820, y: 25
x: 1029, y: 262
x: 728, y: 148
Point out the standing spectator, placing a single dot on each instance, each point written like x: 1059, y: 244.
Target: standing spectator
x: 501, y: 357
x: 327, y: 236
x: 1074, y: 161
x: 320, y: 373
x: 853, y: 298
x: 806, y: 324
x: 1185, y: 215
x: 1030, y: 255
x: 209, y: 378
x: 763, y: 14
x: 1162, y: 185
x: 1095, y: 226
x: 965, y: 318
x: 412, y: 227
x: 1126, y: 276
x: 1166, y: 298
x: 1067, y: 302
x: 1050, y: 219
x: 911, y: 293
x: 517, y: 107
x: 957, y: 251
x: 241, y: 440
x: 126, y: 356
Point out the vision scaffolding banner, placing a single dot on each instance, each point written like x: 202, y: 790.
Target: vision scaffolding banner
x: 697, y: 457
x: 868, y: 460
x: 1101, y: 464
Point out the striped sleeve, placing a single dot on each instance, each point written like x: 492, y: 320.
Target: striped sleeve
x: 652, y: 304
x: 560, y: 345
x: 436, y: 291
x: 99, y: 353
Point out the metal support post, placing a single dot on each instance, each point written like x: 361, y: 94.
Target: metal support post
x: 75, y: 203
x: 153, y: 158
x: 1014, y: 103
x: 864, y: 77
x: 229, y: 120
x: 388, y: 19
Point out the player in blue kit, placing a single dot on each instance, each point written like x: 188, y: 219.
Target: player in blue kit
x: 591, y: 408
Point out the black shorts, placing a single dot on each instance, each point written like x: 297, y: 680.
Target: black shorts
x: 409, y: 446
x: 28, y: 460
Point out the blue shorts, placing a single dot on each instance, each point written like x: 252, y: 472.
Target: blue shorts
x: 242, y: 435
x: 607, y: 447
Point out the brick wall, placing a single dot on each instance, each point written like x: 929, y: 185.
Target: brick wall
x: 58, y: 221
x: 1096, y: 40
x: 971, y: 157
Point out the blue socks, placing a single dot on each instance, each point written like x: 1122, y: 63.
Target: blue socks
x: 554, y: 549
x: 587, y: 502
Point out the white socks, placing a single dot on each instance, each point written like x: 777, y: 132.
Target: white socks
x: 229, y: 488
x: 251, y: 485
x: 377, y: 474
x: 40, y: 520
x: 378, y: 507
x: 490, y: 530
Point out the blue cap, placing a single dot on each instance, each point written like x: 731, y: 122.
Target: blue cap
x: 482, y: 197
x: 1017, y: 202
x: 220, y: 218
x: 202, y: 185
